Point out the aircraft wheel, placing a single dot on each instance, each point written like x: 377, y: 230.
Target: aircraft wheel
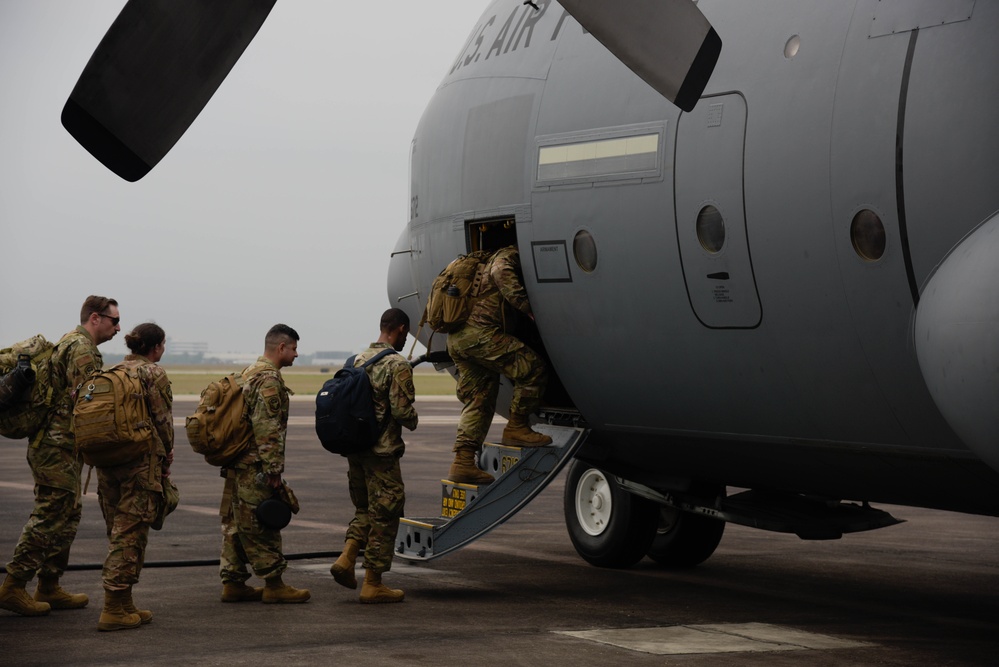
x: 684, y: 539
x: 608, y: 526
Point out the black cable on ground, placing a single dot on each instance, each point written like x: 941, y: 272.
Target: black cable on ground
x: 199, y: 563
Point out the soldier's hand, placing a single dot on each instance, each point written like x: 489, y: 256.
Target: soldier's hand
x: 274, y: 481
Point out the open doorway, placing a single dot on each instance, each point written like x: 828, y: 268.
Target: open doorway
x: 496, y: 233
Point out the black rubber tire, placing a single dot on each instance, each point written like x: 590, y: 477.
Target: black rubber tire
x: 627, y: 524
x: 683, y: 539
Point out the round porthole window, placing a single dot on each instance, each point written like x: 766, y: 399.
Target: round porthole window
x: 867, y: 233
x: 792, y: 46
x: 711, y: 229
x: 584, y: 249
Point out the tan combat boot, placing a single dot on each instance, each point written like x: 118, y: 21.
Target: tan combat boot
x: 50, y: 591
x: 114, y: 616
x: 464, y: 470
x: 276, y: 591
x: 373, y: 591
x: 343, y: 569
x: 518, y: 433
x: 144, y: 615
x: 14, y: 598
x: 237, y: 591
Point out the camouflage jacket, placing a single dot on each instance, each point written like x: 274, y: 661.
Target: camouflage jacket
x: 267, y: 402
x: 502, y: 286
x: 393, y: 393
x: 159, y: 398
x: 75, y: 357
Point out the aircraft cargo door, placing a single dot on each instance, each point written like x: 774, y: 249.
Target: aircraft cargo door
x: 710, y: 214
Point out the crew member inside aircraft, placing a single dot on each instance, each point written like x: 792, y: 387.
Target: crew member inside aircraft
x: 483, y: 349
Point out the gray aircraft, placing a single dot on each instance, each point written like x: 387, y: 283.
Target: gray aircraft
x: 760, y: 239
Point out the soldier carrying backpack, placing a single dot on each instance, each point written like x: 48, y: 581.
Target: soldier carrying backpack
x: 373, y: 474
x: 43, y: 548
x: 254, y: 477
x: 486, y: 347
x: 124, y: 426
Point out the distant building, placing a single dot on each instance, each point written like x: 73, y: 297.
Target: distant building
x: 330, y: 358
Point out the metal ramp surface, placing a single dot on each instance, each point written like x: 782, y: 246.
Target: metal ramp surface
x: 469, y: 511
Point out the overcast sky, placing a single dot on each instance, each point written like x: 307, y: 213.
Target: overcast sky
x: 281, y: 203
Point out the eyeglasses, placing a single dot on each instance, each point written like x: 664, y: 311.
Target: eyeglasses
x: 114, y: 320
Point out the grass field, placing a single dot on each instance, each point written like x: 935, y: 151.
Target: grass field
x: 303, y: 381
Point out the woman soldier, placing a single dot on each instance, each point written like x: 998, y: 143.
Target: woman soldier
x: 131, y: 495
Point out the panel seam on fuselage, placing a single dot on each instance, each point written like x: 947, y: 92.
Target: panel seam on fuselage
x: 899, y: 176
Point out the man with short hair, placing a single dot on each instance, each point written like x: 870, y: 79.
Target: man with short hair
x: 255, y: 477
x: 374, y: 476
x: 48, y: 535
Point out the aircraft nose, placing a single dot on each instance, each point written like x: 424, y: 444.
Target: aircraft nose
x: 957, y: 340
x: 402, y: 291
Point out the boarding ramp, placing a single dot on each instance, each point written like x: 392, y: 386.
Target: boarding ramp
x: 468, y: 511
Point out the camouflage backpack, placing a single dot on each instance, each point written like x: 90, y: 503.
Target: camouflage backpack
x: 111, y: 423
x: 26, y: 389
x: 220, y: 427
x: 454, y: 292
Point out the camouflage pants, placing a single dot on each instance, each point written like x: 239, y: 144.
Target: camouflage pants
x: 481, y: 356
x: 129, y: 502
x: 379, y: 498
x: 49, y: 533
x: 244, y: 538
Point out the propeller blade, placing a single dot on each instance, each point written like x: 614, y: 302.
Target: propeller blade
x: 153, y: 73
x: 668, y: 43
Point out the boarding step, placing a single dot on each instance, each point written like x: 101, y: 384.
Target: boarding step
x: 469, y: 511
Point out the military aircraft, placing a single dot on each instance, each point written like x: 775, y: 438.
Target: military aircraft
x: 760, y: 241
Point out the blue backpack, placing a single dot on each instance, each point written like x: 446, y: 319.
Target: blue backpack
x: 345, y: 411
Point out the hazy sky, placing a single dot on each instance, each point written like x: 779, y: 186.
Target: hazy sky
x: 281, y: 203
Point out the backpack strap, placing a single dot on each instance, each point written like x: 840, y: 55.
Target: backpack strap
x: 377, y: 357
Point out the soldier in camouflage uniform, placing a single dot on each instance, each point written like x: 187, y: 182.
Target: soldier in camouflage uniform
x: 131, y: 494
x: 47, y: 537
x: 374, y: 476
x: 255, y: 477
x: 482, y: 350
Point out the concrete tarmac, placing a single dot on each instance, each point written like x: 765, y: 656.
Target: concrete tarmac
x: 924, y: 592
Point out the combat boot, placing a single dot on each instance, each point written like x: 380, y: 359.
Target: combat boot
x: 464, y: 470
x: 50, y: 591
x: 237, y: 591
x: 276, y: 591
x: 518, y: 433
x: 144, y: 615
x: 373, y: 591
x: 14, y: 598
x: 343, y: 569
x: 114, y: 616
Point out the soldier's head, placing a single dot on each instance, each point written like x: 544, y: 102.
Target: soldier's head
x: 99, y: 316
x: 394, y: 328
x: 148, y: 340
x: 281, y: 345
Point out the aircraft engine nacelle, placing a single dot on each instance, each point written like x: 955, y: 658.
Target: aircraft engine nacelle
x: 957, y: 340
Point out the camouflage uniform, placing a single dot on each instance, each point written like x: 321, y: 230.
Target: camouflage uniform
x: 244, y: 538
x: 47, y: 537
x: 131, y: 494
x: 374, y: 476
x: 482, y: 350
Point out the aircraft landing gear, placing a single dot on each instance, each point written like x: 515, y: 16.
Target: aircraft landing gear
x: 684, y: 539
x: 608, y: 526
